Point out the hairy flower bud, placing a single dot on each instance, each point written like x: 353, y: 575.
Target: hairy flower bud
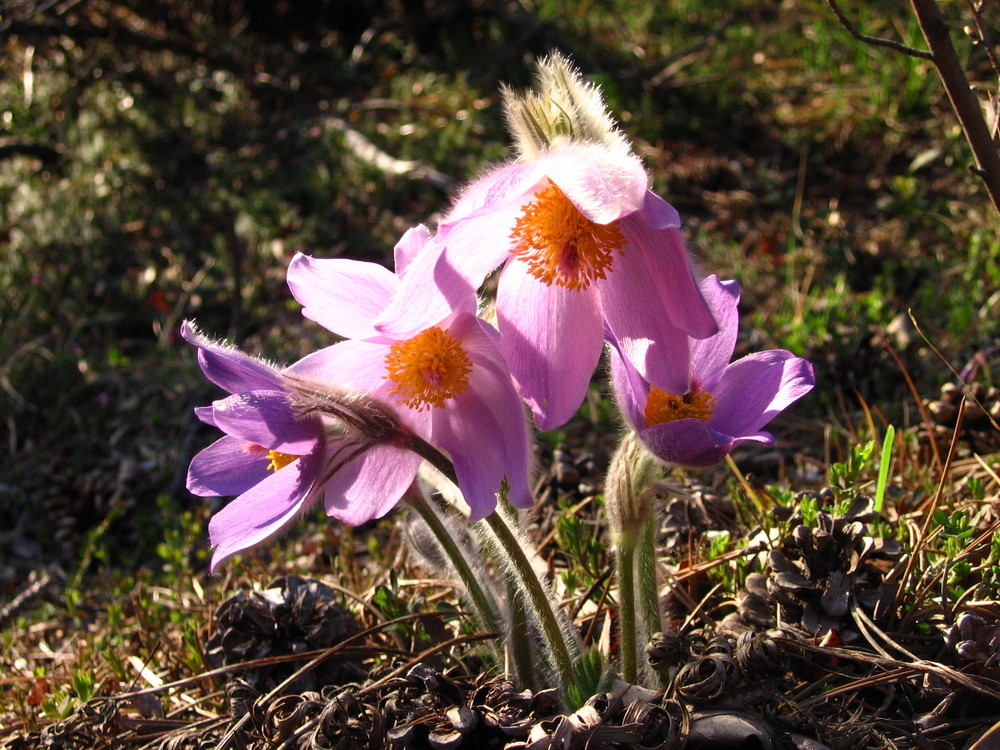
x: 628, y: 490
x: 561, y: 109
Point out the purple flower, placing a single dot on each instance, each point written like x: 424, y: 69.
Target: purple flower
x: 584, y: 245
x: 268, y: 457
x: 447, y: 382
x: 722, y: 404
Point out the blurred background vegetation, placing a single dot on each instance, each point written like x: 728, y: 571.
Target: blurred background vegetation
x: 163, y: 160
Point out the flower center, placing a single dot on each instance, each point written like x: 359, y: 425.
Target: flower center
x: 561, y: 245
x: 428, y: 369
x: 278, y: 460
x: 666, y: 407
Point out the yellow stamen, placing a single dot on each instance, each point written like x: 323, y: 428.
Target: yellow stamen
x: 428, y: 369
x: 666, y: 407
x: 561, y: 245
x: 278, y: 460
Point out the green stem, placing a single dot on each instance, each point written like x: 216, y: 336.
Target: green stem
x: 485, y: 606
x: 649, y: 588
x: 537, y: 600
x: 624, y: 546
x: 519, y: 645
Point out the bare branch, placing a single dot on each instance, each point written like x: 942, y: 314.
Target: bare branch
x: 874, y: 40
x: 963, y: 98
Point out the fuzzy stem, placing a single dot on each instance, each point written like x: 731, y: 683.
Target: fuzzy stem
x: 519, y: 645
x: 537, y: 599
x: 624, y: 546
x: 649, y: 589
x: 484, y: 604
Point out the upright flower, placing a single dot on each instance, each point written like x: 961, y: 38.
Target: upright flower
x: 447, y: 382
x: 277, y: 461
x: 722, y: 404
x: 583, y: 244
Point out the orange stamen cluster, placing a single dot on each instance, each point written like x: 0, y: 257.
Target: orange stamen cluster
x: 278, y: 460
x: 562, y: 246
x: 666, y: 407
x: 428, y: 369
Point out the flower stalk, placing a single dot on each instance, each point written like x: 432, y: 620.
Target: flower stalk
x: 487, y: 610
x: 537, y: 599
x: 628, y: 502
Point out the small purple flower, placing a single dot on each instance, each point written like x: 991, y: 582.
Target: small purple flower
x: 584, y: 246
x: 447, y: 382
x: 723, y: 404
x: 268, y: 457
x: 278, y: 462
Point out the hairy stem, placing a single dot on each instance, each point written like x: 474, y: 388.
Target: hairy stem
x: 484, y: 604
x: 624, y: 546
x: 649, y: 588
x: 537, y: 599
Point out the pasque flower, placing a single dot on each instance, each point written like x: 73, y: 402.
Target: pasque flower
x: 278, y: 461
x: 583, y: 244
x: 722, y: 404
x: 447, y: 382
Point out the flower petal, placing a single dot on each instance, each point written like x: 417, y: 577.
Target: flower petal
x: 630, y: 390
x: 371, y: 484
x: 266, y: 418
x: 489, y: 416
x: 434, y: 287
x: 551, y: 339
x: 225, y: 468
x: 411, y: 243
x: 754, y: 389
x: 262, y: 510
x: 710, y: 356
x: 351, y: 364
x: 227, y: 366
x: 686, y: 442
x: 343, y: 296
x: 604, y: 185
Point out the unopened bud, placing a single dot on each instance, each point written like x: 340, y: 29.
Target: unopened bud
x: 628, y: 488
x: 561, y: 109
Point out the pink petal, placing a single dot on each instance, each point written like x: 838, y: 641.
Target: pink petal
x: 551, y: 339
x: 263, y: 510
x: 266, y: 418
x: 710, y: 356
x: 754, y: 389
x: 227, y: 366
x: 351, y: 364
x: 602, y: 184
x: 226, y: 468
x: 504, y: 186
x: 432, y: 290
x: 686, y: 442
x: 468, y: 433
x: 491, y: 400
x: 343, y: 296
x: 370, y: 485
x: 411, y: 243
x: 630, y: 390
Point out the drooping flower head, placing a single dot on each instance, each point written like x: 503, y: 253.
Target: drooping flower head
x: 723, y: 404
x: 447, y: 382
x: 583, y: 245
x: 276, y: 460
